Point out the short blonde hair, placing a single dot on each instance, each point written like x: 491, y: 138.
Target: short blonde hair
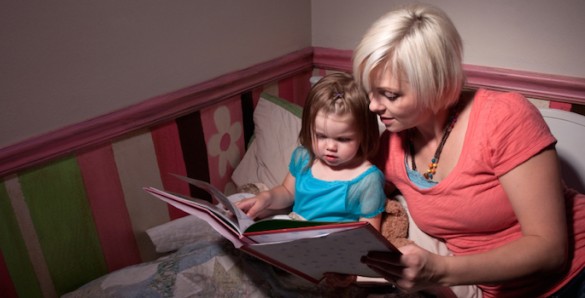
x: 420, y: 45
x: 339, y: 94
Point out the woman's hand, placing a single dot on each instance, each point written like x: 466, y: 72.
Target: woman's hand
x: 416, y: 269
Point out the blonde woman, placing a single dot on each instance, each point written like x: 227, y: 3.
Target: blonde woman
x: 478, y: 169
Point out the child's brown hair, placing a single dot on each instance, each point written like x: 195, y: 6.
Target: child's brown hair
x: 339, y: 94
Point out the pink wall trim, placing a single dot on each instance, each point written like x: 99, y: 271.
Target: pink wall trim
x: 535, y: 85
x: 162, y: 108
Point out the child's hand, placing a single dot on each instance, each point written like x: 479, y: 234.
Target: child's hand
x: 255, y: 205
x: 339, y: 280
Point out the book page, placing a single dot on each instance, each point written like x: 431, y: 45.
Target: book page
x: 206, y: 211
x: 282, y: 230
x: 244, y: 221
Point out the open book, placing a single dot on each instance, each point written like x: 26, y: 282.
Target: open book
x: 305, y: 248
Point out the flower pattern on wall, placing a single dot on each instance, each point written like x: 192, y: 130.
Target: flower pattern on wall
x: 223, y: 143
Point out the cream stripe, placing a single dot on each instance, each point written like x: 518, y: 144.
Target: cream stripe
x: 30, y: 237
x: 137, y: 166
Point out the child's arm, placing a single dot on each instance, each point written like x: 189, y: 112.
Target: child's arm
x: 279, y: 197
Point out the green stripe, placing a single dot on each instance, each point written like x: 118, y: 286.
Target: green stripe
x: 64, y: 224
x: 15, y: 252
x: 287, y: 105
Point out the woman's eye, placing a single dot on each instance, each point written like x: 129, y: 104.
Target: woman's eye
x: 390, y: 95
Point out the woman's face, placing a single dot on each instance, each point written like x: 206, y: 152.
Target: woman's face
x: 395, y: 102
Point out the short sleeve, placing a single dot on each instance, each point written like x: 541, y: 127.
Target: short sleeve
x: 369, y: 194
x: 298, y: 161
x: 516, y: 131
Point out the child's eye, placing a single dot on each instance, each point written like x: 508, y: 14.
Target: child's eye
x: 320, y: 136
x: 344, y: 140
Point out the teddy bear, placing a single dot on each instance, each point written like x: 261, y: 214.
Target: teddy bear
x: 395, y: 223
x: 253, y: 188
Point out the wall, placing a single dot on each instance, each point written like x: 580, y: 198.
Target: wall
x: 530, y: 35
x: 68, y: 61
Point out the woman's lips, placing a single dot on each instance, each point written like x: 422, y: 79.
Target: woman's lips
x: 387, y: 120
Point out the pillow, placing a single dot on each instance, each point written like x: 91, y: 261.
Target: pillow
x: 277, y: 123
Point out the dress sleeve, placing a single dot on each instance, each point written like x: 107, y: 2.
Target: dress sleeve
x: 516, y: 132
x: 368, y: 194
x: 298, y: 161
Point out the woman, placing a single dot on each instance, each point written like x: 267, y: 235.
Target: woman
x: 477, y: 169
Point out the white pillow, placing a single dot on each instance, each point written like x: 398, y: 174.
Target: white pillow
x: 277, y: 123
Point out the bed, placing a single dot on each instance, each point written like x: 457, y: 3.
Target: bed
x: 200, y: 263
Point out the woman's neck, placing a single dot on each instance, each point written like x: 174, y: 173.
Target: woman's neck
x: 430, y: 131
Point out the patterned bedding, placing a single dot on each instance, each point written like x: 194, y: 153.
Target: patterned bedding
x: 214, y: 268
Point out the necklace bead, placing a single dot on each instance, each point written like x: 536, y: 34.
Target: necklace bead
x: 435, y: 160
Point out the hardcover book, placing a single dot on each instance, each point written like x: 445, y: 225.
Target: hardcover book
x: 308, y: 249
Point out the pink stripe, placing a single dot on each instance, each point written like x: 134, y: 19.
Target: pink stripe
x: 6, y: 286
x: 302, y: 86
x: 169, y: 155
x: 295, y: 89
x: 256, y: 94
x: 106, y: 199
x: 286, y: 89
x: 560, y: 105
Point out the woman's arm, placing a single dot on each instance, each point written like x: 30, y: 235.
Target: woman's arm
x: 535, y: 192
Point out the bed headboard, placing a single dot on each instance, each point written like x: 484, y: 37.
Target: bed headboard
x: 71, y: 202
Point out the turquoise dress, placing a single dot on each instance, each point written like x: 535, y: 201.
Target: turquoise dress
x: 338, y: 200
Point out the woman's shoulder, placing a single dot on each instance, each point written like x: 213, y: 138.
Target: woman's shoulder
x: 498, y: 107
x: 500, y: 99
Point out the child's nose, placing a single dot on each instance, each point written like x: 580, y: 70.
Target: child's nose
x: 331, y: 145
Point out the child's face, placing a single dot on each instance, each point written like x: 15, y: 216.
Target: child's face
x: 336, y: 142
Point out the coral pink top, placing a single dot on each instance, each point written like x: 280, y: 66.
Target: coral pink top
x: 469, y: 208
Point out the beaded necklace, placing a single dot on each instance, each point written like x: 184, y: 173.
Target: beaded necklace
x: 435, y: 160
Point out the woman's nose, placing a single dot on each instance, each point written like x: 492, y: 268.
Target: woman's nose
x: 375, y: 105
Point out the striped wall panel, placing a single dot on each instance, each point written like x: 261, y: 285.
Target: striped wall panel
x: 106, y: 198
x: 167, y: 146
x: 75, y: 218
x: 20, y: 278
x: 61, y: 217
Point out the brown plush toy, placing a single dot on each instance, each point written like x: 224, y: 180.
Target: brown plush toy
x: 395, y: 223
